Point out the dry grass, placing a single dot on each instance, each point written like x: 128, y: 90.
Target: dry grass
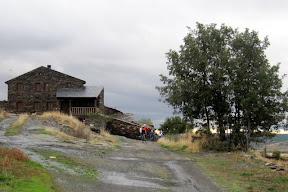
x: 277, y: 162
x: 104, y: 136
x: 58, y: 133
x: 3, y: 114
x: 79, y: 129
x: 15, y: 127
x: 62, y: 118
x: 183, y: 143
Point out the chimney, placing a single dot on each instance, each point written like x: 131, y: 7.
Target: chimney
x: 49, y: 66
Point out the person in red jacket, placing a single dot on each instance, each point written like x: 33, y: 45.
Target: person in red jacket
x: 144, y: 132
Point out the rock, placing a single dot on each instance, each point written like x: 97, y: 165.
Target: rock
x: 95, y: 130
x: 269, y: 164
x: 280, y: 168
x: 273, y: 167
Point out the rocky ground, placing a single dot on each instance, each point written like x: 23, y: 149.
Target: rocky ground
x: 134, y: 166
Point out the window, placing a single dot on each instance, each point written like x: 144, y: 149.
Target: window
x: 46, y: 87
x: 38, y: 87
x: 50, y: 106
x: 20, y: 87
x: 37, y: 106
x: 20, y: 106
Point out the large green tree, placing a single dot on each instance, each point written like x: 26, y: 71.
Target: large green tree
x: 222, y: 74
x: 197, y: 85
x: 256, y: 94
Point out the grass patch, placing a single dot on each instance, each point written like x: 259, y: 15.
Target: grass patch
x: 56, y: 132
x: 73, y: 163
x: 237, y: 173
x: 18, y: 173
x: 232, y: 171
x: 45, y: 132
x: 15, y: 127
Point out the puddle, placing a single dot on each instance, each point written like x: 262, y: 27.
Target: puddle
x: 124, y: 158
x: 122, y: 179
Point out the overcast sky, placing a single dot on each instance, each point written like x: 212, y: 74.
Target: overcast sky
x: 121, y: 45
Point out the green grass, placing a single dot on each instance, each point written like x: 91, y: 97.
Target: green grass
x: 15, y: 127
x: 44, y: 132
x: 18, y: 173
x: 74, y: 163
x: 237, y: 173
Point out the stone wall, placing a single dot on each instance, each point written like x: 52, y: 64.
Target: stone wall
x: 3, y: 104
x: 123, y: 128
x: 111, y: 111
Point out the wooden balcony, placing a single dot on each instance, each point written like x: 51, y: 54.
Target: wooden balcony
x: 82, y: 110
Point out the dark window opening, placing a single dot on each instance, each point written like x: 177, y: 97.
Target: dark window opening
x: 20, y: 87
x: 50, y: 106
x: 47, y: 87
x: 37, y: 106
x: 19, y: 106
x: 38, y: 87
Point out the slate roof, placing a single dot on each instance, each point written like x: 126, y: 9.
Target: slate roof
x: 85, y: 92
x: 45, y: 69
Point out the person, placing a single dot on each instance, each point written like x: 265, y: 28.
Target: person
x: 160, y: 134
x: 151, y: 135
x: 144, y: 133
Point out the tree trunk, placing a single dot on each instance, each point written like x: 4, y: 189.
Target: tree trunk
x: 248, y: 134
x: 221, y: 130
x: 208, y: 122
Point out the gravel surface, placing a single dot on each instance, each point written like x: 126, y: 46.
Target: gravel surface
x: 135, y: 166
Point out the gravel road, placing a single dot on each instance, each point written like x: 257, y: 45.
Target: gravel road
x: 134, y: 166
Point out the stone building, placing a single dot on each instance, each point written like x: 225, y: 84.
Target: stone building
x: 44, y: 89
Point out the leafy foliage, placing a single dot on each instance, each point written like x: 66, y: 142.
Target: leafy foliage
x: 222, y: 74
x: 146, y: 121
x: 173, y: 125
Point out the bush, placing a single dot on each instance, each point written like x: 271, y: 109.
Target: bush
x: 276, y: 154
x: 214, y: 144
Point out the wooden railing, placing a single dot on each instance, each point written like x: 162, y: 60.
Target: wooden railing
x: 82, y: 110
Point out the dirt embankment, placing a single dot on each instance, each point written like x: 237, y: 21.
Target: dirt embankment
x: 133, y: 166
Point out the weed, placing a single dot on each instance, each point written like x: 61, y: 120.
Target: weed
x: 283, y: 179
x: 276, y: 154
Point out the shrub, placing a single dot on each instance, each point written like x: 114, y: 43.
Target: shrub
x: 276, y: 154
x: 214, y: 144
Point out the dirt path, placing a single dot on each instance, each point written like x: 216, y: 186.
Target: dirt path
x: 134, y: 166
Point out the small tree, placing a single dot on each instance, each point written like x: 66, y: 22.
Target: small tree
x: 173, y: 125
x: 146, y: 121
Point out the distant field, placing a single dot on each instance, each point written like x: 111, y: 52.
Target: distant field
x: 279, y: 142
x: 279, y: 138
